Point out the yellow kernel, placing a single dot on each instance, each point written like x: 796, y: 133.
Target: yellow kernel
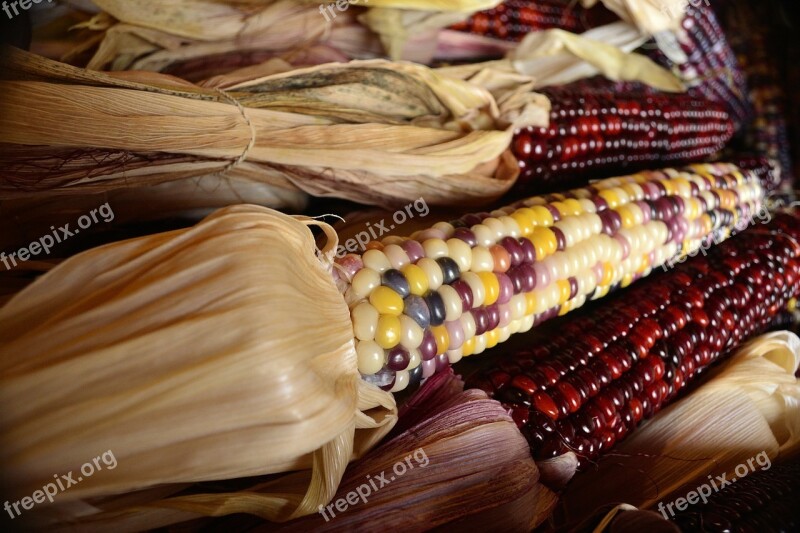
x: 491, y: 286
x: 608, y: 274
x: 523, y: 221
x: 610, y: 196
x: 468, y: 348
x: 561, y: 208
x: 531, y: 299
x: 565, y: 290
x: 573, y: 206
x: 544, y: 242
x: 386, y: 301
x: 626, y: 215
x: 441, y: 337
x: 388, y: 333
x: 541, y: 216
x: 417, y: 279
x: 492, y: 338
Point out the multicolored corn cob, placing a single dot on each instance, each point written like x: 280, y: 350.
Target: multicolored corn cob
x: 589, y: 385
x: 711, y: 70
x: 765, y: 500
x: 597, y: 125
x: 514, y: 19
x: 460, y: 287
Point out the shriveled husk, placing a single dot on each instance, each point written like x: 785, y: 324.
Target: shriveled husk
x: 149, y: 35
x: 370, y: 131
x: 557, y: 57
x: 650, y: 16
x: 749, y: 405
x: 215, y: 352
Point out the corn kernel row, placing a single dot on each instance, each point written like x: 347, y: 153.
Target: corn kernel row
x: 593, y: 381
x: 422, y: 302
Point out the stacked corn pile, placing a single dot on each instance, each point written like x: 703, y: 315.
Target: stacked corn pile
x: 460, y: 287
x: 600, y: 126
x: 590, y: 384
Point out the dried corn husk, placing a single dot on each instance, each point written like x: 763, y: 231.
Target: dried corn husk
x: 477, y: 473
x: 751, y: 404
x: 370, y: 131
x: 557, y: 57
x: 189, y: 36
x: 188, y: 354
x: 153, y: 36
x: 26, y: 219
x: 650, y: 16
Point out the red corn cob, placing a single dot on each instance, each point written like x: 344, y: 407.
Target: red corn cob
x: 592, y: 382
x: 598, y: 126
x: 514, y: 19
x: 763, y: 501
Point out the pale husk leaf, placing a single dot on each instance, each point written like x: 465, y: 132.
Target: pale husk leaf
x: 188, y: 355
x: 557, y: 57
x: 650, y: 16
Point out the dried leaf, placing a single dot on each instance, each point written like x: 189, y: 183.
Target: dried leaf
x: 187, y: 354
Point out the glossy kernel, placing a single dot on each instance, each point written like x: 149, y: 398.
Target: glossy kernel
x: 386, y: 301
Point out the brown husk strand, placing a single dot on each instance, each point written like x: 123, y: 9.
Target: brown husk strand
x: 188, y: 355
x: 376, y: 132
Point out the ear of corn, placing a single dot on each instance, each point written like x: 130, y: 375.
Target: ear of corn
x: 597, y: 125
x: 709, y: 66
x: 513, y: 19
x: 460, y: 287
x: 592, y: 382
x: 762, y: 501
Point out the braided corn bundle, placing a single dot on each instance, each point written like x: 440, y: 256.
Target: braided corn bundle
x: 422, y: 302
x: 600, y: 126
x: 591, y: 383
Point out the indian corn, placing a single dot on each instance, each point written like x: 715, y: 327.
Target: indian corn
x: 597, y: 125
x: 590, y: 384
x: 421, y: 302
